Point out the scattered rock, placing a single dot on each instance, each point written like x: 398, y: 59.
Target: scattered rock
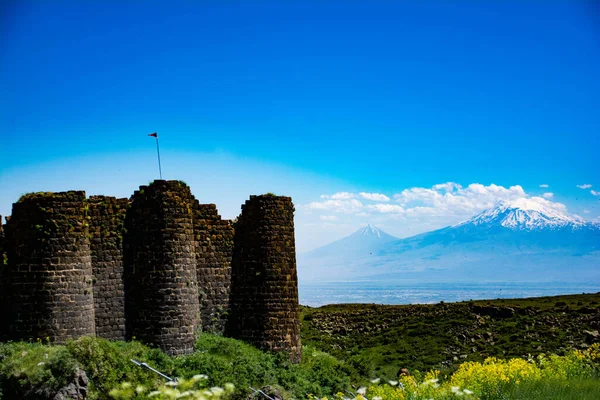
x: 587, y: 310
x: 76, y: 390
x: 494, y: 312
x: 271, y: 391
x: 592, y: 336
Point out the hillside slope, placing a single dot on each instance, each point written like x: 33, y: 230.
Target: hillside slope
x: 380, y: 339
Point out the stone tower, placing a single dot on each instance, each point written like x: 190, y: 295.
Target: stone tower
x: 214, y: 239
x: 264, y: 307
x: 106, y: 231
x: 49, y: 272
x: 161, y: 289
x: 3, y: 287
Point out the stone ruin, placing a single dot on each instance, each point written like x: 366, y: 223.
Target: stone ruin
x: 264, y: 296
x: 159, y: 267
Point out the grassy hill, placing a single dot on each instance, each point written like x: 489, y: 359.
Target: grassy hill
x: 346, y: 346
x: 378, y: 340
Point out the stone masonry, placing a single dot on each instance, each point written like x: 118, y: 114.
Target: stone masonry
x: 264, y: 307
x: 161, y: 287
x: 106, y: 231
x: 3, y: 286
x: 214, y: 241
x: 49, y: 271
x: 159, y: 267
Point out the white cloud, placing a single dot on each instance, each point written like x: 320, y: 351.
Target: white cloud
x: 594, y: 192
x: 544, y: 185
x: 417, y: 212
x: 418, y: 209
x: 586, y: 211
x: 349, y: 196
x: 584, y: 186
x: 386, y: 208
x: 339, y: 196
x: 339, y: 206
x: 448, y: 186
x: 460, y: 200
x: 374, y: 196
x: 463, y: 202
x: 327, y: 217
x: 418, y: 194
x: 343, y: 196
x: 549, y: 204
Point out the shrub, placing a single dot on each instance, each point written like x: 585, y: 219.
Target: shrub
x: 108, y: 364
x: 226, y: 360
x: 493, y: 377
x: 34, y: 368
x: 194, y: 388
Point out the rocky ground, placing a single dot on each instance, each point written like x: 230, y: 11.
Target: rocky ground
x: 380, y: 339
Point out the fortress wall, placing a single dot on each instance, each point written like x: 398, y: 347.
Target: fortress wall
x: 158, y: 268
x: 264, y: 307
x: 106, y: 230
x: 161, y: 289
x: 214, y: 240
x: 49, y: 271
x: 3, y: 288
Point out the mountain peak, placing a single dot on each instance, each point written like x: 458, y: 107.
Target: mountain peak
x: 363, y: 242
x: 370, y: 230
x: 528, y: 205
x: 527, y: 214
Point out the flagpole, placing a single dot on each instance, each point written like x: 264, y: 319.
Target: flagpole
x: 158, y: 153
x: 155, y: 135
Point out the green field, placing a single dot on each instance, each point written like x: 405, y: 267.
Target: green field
x: 348, y: 346
x: 380, y: 339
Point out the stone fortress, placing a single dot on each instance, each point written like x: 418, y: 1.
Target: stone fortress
x: 159, y: 267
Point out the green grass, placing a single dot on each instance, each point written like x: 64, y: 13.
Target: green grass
x: 26, y: 368
x: 378, y: 340
x: 344, y: 346
x: 228, y: 360
x: 34, y: 369
x: 588, y: 389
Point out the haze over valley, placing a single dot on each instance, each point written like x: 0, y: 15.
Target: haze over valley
x: 516, y: 244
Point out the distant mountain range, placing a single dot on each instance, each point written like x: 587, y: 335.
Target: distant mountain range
x: 520, y: 240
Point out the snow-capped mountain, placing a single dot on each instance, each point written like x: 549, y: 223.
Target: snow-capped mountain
x: 370, y: 230
x: 363, y: 242
x: 519, y: 240
x: 526, y: 214
x: 370, y: 234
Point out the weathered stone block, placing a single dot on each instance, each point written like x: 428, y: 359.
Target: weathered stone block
x: 48, y: 278
x: 161, y: 288
x: 107, y: 229
x: 264, y: 306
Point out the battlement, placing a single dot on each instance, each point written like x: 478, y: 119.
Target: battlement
x: 106, y: 247
x: 264, y: 284
x: 49, y: 272
x: 160, y: 267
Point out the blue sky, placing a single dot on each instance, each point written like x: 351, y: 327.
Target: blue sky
x: 302, y: 98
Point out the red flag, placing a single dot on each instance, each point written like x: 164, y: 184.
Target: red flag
x: 154, y: 135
